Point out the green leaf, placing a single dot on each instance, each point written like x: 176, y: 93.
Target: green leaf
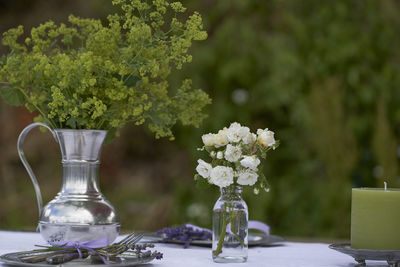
x: 71, y: 122
x: 12, y: 96
x: 263, y: 182
x: 263, y: 154
x: 111, y: 134
x: 277, y: 143
x: 132, y: 81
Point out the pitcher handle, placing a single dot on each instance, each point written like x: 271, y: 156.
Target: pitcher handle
x: 28, y: 168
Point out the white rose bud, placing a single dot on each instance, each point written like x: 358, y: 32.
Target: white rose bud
x: 220, y: 155
x: 247, y: 178
x: 264, y: 188
x: 208, y: 139
x: 232, y: 153
x: 221, y: 176
x: 250, y: 162
x: 213, y: 154
x: 265, y: 137
x: 204, y: 168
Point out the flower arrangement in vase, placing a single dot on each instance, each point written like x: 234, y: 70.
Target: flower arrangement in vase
x: 235, y: 154
x: 86, y: 75
x: 85, y: 80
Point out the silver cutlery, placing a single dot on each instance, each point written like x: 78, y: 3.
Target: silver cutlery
x: 61, y: 256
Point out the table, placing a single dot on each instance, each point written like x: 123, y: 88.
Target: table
x: 290, y: 254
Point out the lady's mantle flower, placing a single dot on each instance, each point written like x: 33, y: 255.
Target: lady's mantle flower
x: 204, y: 168
x: 99, y: 99
x: 221, y: 176
x: 236, y: 132
x: 265, y: 137
x: 247, y: 178
x: 250, y: 162
x: 232, y: 153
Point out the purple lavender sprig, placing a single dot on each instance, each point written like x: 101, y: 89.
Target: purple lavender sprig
x: 141, y: 251
x: 184, y: 234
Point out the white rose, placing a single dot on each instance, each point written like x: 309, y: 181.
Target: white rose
x: 232, y: 153
x: 220, y: 155
x: 250, y: 162
x: 247, y: 178
x: 208, y: 139
x: 233, y: 132
x: 220, y: 138
x: 204, y: 168
x: 265, y: 137
x: 250, y: 138
x: 221, y: 176
x: 236, y: 132
x: 243, y: 132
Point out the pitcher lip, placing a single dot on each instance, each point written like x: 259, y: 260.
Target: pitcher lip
x: 80, y: 144
x: 79, y: 130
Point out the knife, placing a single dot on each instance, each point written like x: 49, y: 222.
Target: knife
x: 65, y: 257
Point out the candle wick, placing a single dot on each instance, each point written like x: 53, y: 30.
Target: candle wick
x: 385, y: 184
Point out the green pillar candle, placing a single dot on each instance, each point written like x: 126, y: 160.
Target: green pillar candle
x: 375, y: 219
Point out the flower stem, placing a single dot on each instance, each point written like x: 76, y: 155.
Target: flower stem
x: 38, y: 109
x: 239, y: 239
x: 221, y: 239
x: 231, y: 212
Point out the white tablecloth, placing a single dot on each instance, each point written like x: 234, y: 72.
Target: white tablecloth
x: 290, y: 254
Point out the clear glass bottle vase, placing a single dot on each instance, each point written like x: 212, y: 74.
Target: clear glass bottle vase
x: 230, y: 226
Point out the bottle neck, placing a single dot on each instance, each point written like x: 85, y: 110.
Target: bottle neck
x: 232, y: 192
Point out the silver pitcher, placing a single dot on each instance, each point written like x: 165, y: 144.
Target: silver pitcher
x: 79, y: 212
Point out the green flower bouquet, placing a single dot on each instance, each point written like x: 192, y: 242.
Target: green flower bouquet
x: 86, y: 75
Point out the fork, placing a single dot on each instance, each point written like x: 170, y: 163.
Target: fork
x: 56, y: 257
x: 121, y: 246
x: 111, y: 250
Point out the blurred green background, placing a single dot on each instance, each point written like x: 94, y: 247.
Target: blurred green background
x: 324, y: 75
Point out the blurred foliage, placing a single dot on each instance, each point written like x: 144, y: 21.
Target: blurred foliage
x: 322, y: 74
